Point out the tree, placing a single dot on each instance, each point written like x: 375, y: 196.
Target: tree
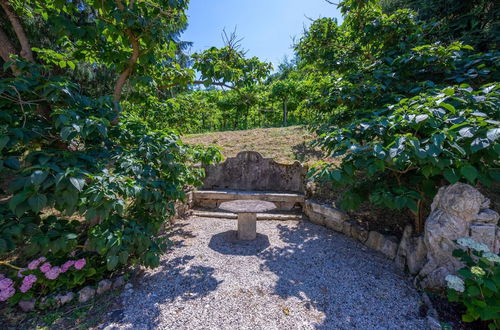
x: 66, y: 151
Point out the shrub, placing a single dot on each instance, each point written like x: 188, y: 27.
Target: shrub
x: 478, y: 284
x: 399, y: 157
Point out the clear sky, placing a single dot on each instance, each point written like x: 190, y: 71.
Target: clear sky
x: 267, y: 26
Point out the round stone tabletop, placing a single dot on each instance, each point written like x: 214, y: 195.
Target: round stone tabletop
x: 247, y: 206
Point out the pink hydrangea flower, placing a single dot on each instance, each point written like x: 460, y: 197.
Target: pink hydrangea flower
x: 45, y: 267
x: 67, y: 265
x: 28, y: 282
x: 2, y: 276
x: 5, y: 283
x: 80, y: 263
x: 34, y: 264
x: 53, y: 273
x: 7, y: 293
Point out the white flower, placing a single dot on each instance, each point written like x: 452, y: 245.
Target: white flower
x: 472, y: 244
x: 492, y: 257
x: 455, y: 283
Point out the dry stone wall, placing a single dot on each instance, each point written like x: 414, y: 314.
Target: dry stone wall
x: 457, y: 211
x: 250, y: 171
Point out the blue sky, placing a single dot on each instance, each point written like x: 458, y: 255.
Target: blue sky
x: 267, y: 26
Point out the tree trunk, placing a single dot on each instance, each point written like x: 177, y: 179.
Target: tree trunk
x: 285, y: 113
x: 26, y: 52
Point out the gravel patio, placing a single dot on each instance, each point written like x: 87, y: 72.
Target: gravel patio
x: 295, y: 275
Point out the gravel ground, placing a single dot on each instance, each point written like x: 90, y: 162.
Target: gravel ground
x: 295, y: 275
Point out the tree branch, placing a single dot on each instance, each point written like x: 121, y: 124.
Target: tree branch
x: 122, y: 79
x: 125, y: 74
x: 202, y: 82
x: 26, y: 52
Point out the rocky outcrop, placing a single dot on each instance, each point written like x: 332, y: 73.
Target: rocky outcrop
x: 458, y: 210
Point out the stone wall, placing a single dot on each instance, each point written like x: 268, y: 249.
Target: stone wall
x: 250, y: 171
x: 458, y: 211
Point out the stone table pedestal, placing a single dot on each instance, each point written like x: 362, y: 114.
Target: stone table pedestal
x: 247, y: 215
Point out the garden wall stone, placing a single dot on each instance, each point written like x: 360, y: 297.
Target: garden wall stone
x: 250, y: 171
x: 458, y: 210
x: 412, y: 252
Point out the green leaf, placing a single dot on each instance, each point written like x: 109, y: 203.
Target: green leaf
x: 3, y: 141
x: 37, y: 202
x: 16, y: 200
x: 123, y: 257
x: 493, y: 134
x: 469, y: 172
x: 448, y: 106
x: 111, y: 262
x: 71, y: 236
x: 450, y: 174
x: 38, y: 177
x: 78, y: 183
x: 12, y: 162
x: 479, y: 144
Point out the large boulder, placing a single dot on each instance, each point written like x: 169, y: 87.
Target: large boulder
x: 458, y: 210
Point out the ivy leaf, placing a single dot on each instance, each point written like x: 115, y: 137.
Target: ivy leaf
x: 469, y: 172
x: 37, y: 202
x: 78, y: 183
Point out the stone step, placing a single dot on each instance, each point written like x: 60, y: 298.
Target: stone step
x: 260, y: 216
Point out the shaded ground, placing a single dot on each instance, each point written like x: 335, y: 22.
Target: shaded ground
x: 284, y: 144
x: 296, y: 275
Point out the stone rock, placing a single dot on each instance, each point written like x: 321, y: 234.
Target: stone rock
x: 62, y: 299
x: 207, y: 203
x: 316, y: 218
x: 118, y: 282
x: 86, y: 294
x: 346, y: 228
x: 27, y: 305
x: 285, y: 206
x: 484, y: 233
x: 328, y: 211
x: 334, y: 224
x: 412, y: 252
x: 388, y: 245
x: 497, y: 243
x: 453, y: 211
x: 487, y: 215
x: 433, y: 324
x: 103, y: 286
x: 359, y: 233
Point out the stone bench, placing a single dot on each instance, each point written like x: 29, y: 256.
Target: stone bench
x: 213, y: 198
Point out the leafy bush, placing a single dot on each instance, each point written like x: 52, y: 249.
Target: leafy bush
x: 478, y: 285
x: 399, y: 157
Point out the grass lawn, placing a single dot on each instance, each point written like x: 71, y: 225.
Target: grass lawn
x: 284, y: 144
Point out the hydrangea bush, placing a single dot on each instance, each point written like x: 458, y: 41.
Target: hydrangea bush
x: 477, y: 285
x: 42, y: 276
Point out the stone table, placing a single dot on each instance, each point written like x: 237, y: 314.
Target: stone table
x: 247, y: 215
